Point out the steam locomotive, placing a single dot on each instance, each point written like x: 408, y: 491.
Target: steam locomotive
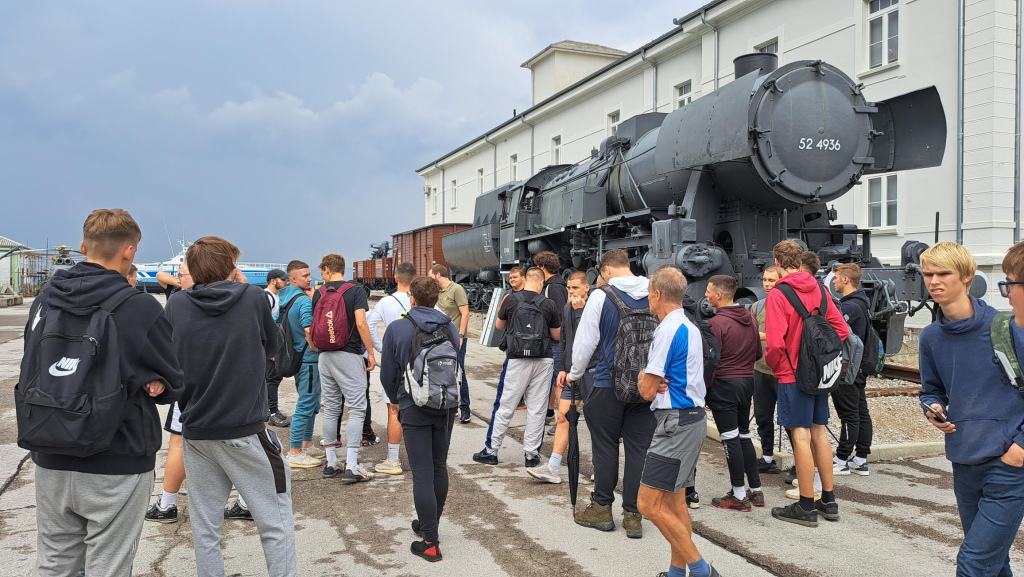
x: 714, y: 185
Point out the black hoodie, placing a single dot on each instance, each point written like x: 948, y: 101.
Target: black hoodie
x: 147, y: 355
x: 854, y: 313
x: 394, y: 355
x: 224, y: 334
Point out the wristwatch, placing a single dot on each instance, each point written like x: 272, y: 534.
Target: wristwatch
x: 462, y: 336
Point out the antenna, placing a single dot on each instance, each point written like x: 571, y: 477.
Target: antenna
x: 167, y: 232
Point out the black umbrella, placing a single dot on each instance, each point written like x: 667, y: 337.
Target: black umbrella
x: 572, y: 454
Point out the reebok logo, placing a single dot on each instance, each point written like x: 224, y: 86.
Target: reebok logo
x: 64, y: 367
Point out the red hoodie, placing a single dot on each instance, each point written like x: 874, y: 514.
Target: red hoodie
x: 784, y: 327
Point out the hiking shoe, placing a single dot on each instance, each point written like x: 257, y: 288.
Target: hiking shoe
x: 168, y: 515
x: 303, y: 461
x: 464, y: 415
x: 236, y: 511
x: 369, y: 439
x: 795, y: 514
x: 416, y: 527
x: 315, y: 452
x: 549, y: 421
x: 795, y: 494
x: 764, y: 468
x: 841, y: 470
x: 331, y: 471
x: 693, y: 500
x: 756, y: 498
x: 531, y: 460
x: 486, y: 457
x: 729, y: 501
x: 429, y: 551
x: 389, y: 467
x: 830, y: 511
x: 360, y: 475
x: 632, y: 523
x: 861, y: 470
x: 544, y: 473
x: 791, y: 476
x: 552, y: 430
x: 279, y: 420
x: 597, y: 517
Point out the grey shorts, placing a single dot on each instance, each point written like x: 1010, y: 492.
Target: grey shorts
x: 582, y: 389
x: 672, y: 457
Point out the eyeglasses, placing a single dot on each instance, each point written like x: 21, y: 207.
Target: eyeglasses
x: 1004, y: 286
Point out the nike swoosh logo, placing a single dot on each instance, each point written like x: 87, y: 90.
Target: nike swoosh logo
x: 39, y: 317
x: 60, y: 372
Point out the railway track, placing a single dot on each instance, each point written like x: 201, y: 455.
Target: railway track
x: 911, y: 374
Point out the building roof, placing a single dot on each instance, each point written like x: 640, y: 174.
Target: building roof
x: 573, y: 46
x: 8, y: 243
x: 678, y: 22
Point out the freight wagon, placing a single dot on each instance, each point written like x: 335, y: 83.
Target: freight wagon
x: 421, y: 246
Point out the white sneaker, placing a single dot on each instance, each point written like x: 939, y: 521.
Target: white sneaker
x: 544, y: 473
x: 315, y: 452
x: 302, y: 461
x: 389, y: 467
x: 795, y: 494
x: 841, y: 469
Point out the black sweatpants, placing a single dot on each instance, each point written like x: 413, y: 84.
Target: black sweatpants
x: 427, y: 437
x: 766, y: 396
x: 729, y: 401
x: 368, y: 418
x: 273, y: 383
x: 608, y: 419
x: 852, y: 408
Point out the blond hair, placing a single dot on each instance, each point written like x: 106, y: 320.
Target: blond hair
x: 951, y: 256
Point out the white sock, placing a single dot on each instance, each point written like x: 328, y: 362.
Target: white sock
x: 838, y: 461
x: 332, y: 455
x: 393, y: 451
x: 353, y: 459
x: 241, y: 502
x: 168, y: 499
x: 739, y: 492
x: 555, y: 462
x: 755, y: 490
x: 817, y: 480
x: 768, y: 458
x: 859, y: 461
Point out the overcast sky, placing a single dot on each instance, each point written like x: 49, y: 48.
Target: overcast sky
x: 290, y: 128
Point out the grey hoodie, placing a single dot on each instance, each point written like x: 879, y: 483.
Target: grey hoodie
x: 224, y: 334
x: 395, y: 350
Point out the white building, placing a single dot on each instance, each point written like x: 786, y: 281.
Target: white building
x: 966, y: 48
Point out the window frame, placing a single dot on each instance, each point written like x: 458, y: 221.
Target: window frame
x: 613, y: 119
x: 556, y: 150
x: 479, y: 181
x: 884, y: 15
x: 773, y: 42
x: 455, y: 193
x: 513, y: 168
x: 884, y: 202
x: 680, y: 96
x: 433, y: 195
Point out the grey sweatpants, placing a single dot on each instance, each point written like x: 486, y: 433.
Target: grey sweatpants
x: 343, y: 380
x: 529, y: 378
x: 255, y: 466
x: 95, y: 519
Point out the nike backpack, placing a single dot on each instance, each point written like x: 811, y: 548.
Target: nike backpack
x: 632, y: 344
x: 431, y: 376
x: 70, y: 398
x: 820, y: 363
x: 527, y: 335
x: 330, y: 330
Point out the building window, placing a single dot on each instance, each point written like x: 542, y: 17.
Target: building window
x: 683, y: 95
x: 883, y: 32
x: 455, y: 195
x: 433, y: 195
x: 613, y: 123
x: 770, y: 48
x: 556, y: 150
x: 513, y: 167
x: 882, y: 194
x: 479, y: 181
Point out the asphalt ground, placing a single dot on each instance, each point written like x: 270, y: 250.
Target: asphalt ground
x: 901, y: 520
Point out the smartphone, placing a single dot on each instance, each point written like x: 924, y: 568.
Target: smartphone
x: 938, y: 416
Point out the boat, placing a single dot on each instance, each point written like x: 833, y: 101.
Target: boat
x: 255, y: 272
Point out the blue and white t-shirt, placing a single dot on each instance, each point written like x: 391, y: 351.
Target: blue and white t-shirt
x: 677, y: 353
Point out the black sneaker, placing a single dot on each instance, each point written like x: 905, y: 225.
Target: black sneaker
x: 764, y: 468
x: 237, y: 511
x: 486, y: 457
x: 361, y: 476
x: 431, y: 552
x: 279, y: 420
x: 531, y: 461
x: 168, y: 515
x: 464, y: 415
x: 331, y: 472
x: 416, y: 527
x: 830, y: 511
x: 369, y: 439
x: 795, y: 514
x: 791, y: 476
x: 693, y: 500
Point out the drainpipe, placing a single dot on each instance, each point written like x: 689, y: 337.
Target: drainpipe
x: 1016, y: 139
x: 494, y: 171
x: 523, y: 120
x: 960, y: 122
x: 442, y: 192
x: 703, y: 19
x: 654, y: 81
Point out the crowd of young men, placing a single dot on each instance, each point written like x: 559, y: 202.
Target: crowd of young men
x: 630, y: 351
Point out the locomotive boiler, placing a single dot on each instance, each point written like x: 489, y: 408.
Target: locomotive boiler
x: 714, y: 185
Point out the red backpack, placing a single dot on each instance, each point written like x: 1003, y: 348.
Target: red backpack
x: 330, y: 330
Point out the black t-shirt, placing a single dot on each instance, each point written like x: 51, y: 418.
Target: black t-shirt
x: 355, y: 299
x: 552, y: 315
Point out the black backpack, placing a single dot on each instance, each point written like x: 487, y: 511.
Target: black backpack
x: 820, y: 363
x: 287, y: 360
x: 712, y: 348
x: 527, y: 335
x: 632, y: 344
x: 70, y: 398
x: 873, y: 360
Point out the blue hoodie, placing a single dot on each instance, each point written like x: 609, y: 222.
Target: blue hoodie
x: 958, y: 371
x: 395, y: 350
x: 300, y: 318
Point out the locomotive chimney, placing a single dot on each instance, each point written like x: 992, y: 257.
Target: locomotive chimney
x: 748, y: 63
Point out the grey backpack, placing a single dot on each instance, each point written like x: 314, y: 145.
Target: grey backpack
x: 431, y: 377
